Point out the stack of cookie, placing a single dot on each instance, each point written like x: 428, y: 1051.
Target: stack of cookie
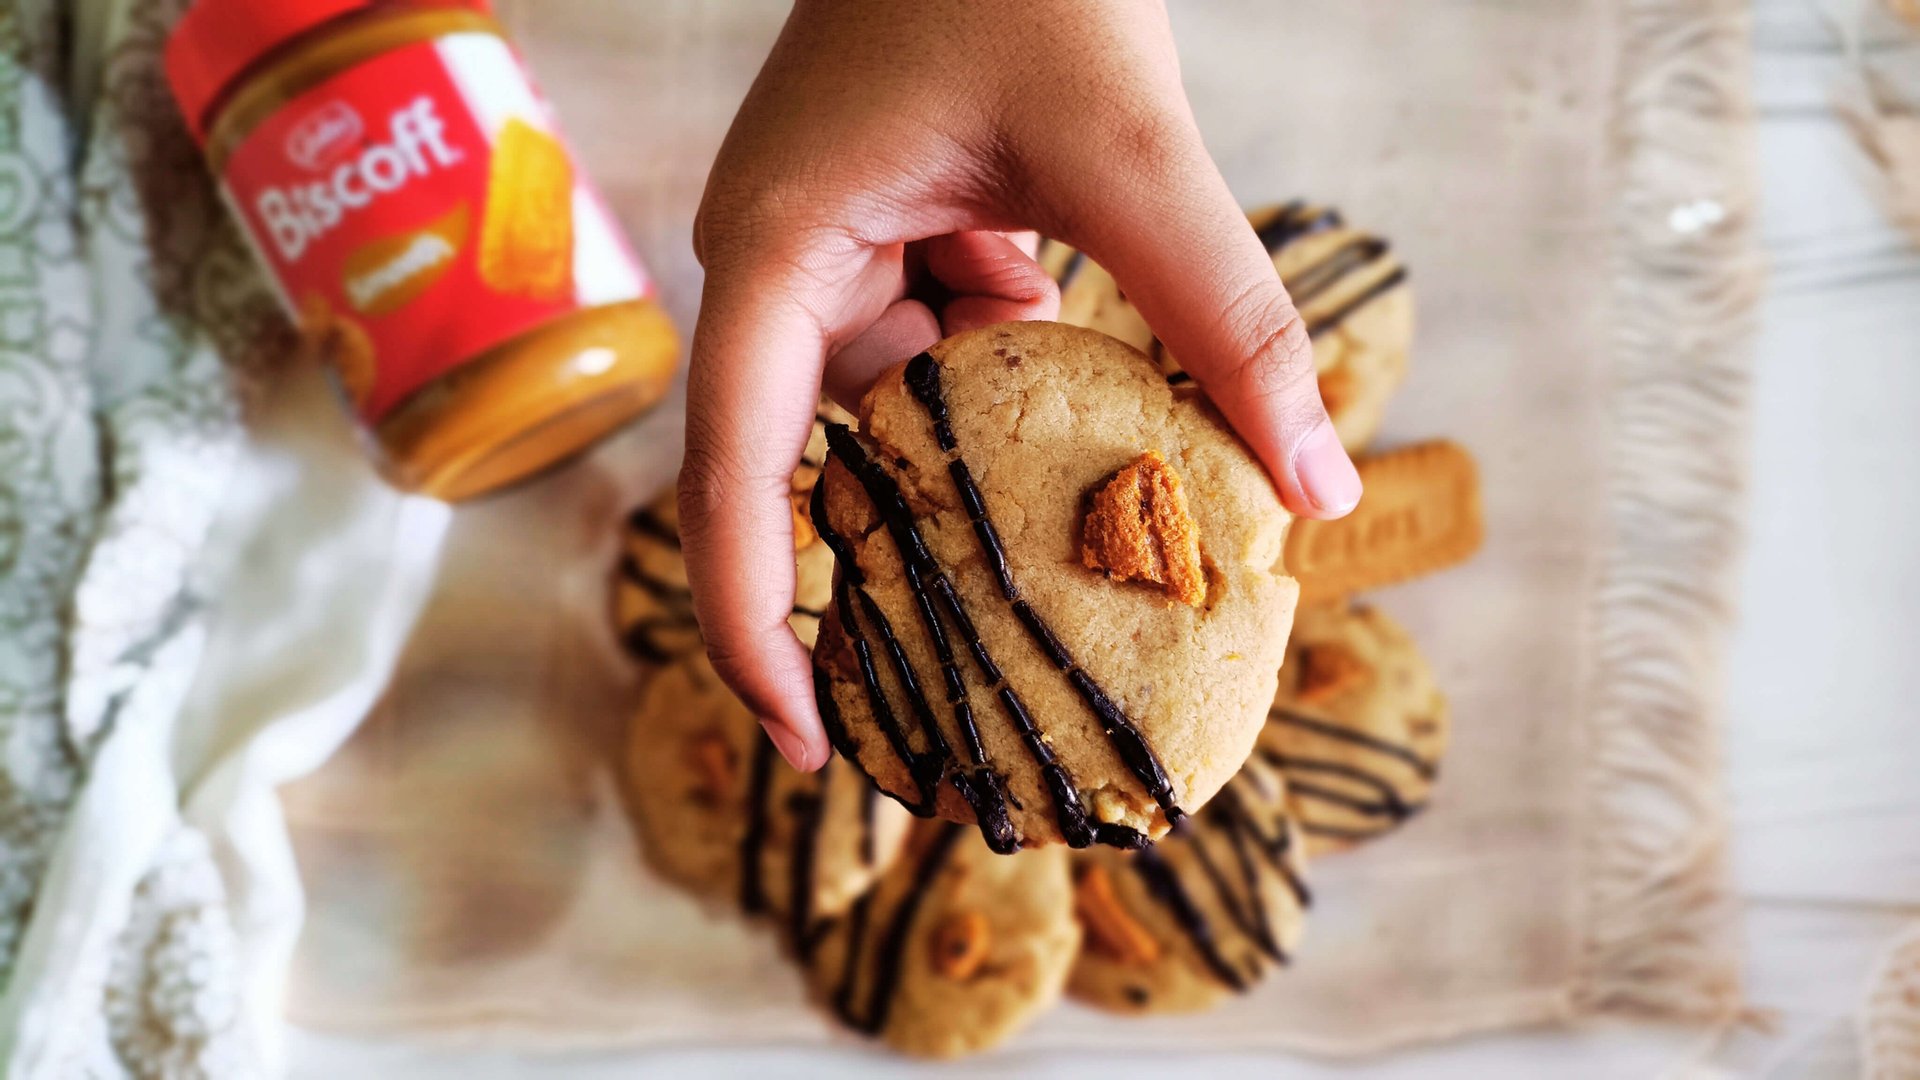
x: 1048, y: 593
x: 1354, y: 735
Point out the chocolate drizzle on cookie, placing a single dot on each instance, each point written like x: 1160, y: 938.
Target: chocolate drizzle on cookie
x: 1371, y: 801
x: 849, y: 582
x: 645, y: 522
x: 891, y: 946
x: 670, y: 633
x: 1163, y: 884
x: 809, y: 811
x: 1292, y: 222
x: 1296, y: 221
x: 982, y: 787
x: 1243, y: 888
x: 923, y: 379
x: 940, y: 608
x: 1425, y: 769
x: 753, y: 897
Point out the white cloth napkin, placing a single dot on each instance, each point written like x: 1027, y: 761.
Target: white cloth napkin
x: 192, y: 610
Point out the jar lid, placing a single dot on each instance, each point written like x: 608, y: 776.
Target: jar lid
x: 217, y: 40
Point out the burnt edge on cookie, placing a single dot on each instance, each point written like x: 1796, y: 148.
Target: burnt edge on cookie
x: 981, y: 786
x: 1249, y: 915
x: 1305, y: 776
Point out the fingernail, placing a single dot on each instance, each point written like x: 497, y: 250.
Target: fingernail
x: 1327, y: 476
x: 788, y: 743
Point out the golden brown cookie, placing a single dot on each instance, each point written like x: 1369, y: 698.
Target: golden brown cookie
x: 721, y: 815
x: 1357, y: 728
x: 972, y: 663
x: 955, y: 949
x: 1205, y: 913
x: 1349, y: 286
x: 1420, y: 513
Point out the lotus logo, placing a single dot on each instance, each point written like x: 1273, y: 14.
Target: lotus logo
x: 324, y: 136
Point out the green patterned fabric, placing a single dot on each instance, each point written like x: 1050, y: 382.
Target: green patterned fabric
x: 122, y: 286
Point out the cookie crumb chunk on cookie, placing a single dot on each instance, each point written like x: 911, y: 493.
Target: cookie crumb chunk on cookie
x: 1110, y: 930
x: 1139, y: 528
x: 960, y: 945
x: 1330, y: 670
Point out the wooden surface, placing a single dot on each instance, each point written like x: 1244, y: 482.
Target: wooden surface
x: 1822, y: 677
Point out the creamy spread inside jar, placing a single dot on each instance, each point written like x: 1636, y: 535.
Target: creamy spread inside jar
x: 404, y: 186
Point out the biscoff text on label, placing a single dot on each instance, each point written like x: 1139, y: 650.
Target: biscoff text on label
x: 298, y: 214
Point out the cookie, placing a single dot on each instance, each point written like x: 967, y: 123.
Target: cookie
x: 955, y: 949
x: 973, y: 663
x: 1350, y: 288
x: 1420, y: 513
x: 1357, y: 728
x: 721, y: 815
x: 1205, y: 913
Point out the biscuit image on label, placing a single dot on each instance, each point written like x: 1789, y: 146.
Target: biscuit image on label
x: 526, y: 239
x: 1421, y: 513
x: 384, y: 275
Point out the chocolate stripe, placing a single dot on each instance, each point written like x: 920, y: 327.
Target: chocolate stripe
x: 869, y: 811
x: 1358, y: 738
x: 1336, y: 832
x: 1312, y: 282
x: 753, y: 899
x: 984, y: 790
x: 889, y: 724
x: 893, y: 946
x: 1276, y: 848
x: 857, y: 919
x: 652, y: 584
x: 1068, y: 272
x: 927, y: 767
x: 1292, y: 223
x: 1256, y: 894
x: 1070, y: 812
x: 1294, y: 767
x: 809, y: 810
x: 923, y: 379
x: 1249, y: 915
x: 1393, y: 809
x: 1165, y: 887
x: 644, y: 522
x: 639, y: 638
x: 1367, y: 296
x: 847, y: 579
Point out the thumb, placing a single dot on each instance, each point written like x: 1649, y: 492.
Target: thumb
x: 1178, y: 245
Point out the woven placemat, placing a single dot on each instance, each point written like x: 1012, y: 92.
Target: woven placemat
x: 1569, y: 184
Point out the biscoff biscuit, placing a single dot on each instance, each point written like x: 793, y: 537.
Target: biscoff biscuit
x: 1421, y: 513
x: 526, y: 241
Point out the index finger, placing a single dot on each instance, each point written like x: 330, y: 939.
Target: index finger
x: 751, y: 386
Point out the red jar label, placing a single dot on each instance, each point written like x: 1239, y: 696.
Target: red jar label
x: 419, y: 209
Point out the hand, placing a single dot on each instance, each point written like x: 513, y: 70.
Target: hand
x: 877, y: 124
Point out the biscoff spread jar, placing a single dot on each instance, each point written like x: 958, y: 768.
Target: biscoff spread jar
x: 405, y: 188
